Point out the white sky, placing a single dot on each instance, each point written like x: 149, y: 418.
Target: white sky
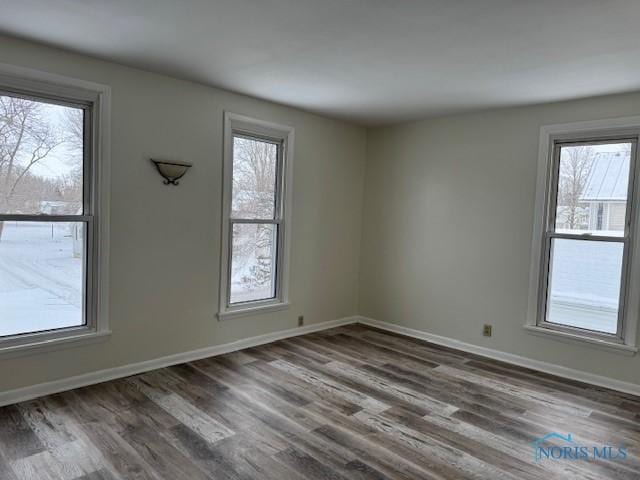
x: 613, y: 147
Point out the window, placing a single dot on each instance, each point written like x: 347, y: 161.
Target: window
x: 256, y: 213
x: 586, y: 234
x: 586, y: 256
x: 51, y: 253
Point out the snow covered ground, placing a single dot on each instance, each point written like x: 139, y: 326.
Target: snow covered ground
x: 583, y: 317
x: 40, y: 279
x: 585, y: 284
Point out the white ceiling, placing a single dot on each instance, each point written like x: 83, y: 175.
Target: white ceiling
x: 370, y: 61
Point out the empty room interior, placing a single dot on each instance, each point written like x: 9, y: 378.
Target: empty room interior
x: 306, y: 239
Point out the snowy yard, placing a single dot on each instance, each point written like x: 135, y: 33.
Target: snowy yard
x: 585, y: 284
x: 40, y: 279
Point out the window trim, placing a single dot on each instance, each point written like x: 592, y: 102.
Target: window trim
x: 625, y: 341
x: 283, y: 135
x: 550, y: 233
x: 74, y: 92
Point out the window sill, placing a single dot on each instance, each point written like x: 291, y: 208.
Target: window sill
x: 252, y: 310
x: 52, y: 344
x: 613, y: 347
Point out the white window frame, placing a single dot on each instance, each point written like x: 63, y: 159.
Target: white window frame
x: 97, y: 99
x: 625, y: 340
x: 284, y: 136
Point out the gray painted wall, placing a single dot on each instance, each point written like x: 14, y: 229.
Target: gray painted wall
x: 446, y: 227
x: 165, y: 241
x: 448, y: 222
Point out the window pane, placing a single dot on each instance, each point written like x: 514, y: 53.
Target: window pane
x: 41, y: 276
x: 253, y: 262
x: 254, y: 178
x: 592, y: 188
x: 584, y: 284
x: 41, y: 149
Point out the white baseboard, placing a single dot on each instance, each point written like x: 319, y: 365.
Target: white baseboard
x: 545, y: 367
x: 48, y: 388
x: 57, y: 386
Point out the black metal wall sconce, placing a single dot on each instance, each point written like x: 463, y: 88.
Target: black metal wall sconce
x: 171, y: 171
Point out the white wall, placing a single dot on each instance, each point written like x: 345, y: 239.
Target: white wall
x: 165, y: 241
x: 448, y: 223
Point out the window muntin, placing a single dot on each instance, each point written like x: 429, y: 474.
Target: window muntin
x: 46, y: 215
x: 586, y: 242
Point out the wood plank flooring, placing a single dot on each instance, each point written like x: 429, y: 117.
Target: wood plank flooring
x: 348, y: 403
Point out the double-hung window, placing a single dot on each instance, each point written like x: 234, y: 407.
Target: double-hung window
x: 256, y: 216
x: 51, y: 248
x: 586, y: 278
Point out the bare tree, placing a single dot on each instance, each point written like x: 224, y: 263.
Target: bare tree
x: 73, y: 131
x: 575, y: 166
x: 74, y: 128
x: 26, y: 138
x: 254, y: 175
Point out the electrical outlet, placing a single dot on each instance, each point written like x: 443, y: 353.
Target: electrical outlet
x: 301, y: 320
x: 486, y: 330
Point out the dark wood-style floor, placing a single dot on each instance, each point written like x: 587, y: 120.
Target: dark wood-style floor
x: 352, y: 403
